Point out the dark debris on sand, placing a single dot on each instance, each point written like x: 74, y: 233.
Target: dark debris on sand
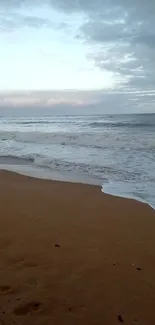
x: 120, y: 319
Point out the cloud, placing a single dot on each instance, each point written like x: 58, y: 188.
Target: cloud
x: 76, y: 102
x: 50, y: 98
x: 16, y: 14
x: 121, y: 35
x: 13, y: 20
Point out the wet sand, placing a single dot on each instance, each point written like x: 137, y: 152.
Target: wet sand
x: 70, y: 254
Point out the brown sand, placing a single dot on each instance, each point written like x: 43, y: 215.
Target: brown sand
x: 70, y: 254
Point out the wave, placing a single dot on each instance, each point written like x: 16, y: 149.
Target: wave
x: 41, y: 121
x: 121, y: 124
x: 34, y: 122
x: 51, y: 163
x: 61, y: 138
x: 62, y: 165
x: 98, y: 141
x: 16, y: 159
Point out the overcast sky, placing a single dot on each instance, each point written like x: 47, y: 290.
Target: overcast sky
x: 86, y: 55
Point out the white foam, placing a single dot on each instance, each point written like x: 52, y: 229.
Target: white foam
x: 128, y: 191
x: 43, y: 173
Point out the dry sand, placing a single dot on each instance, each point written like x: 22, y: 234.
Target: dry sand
x: 70, y: 254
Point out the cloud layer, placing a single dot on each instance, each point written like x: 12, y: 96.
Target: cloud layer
x: 77, y: 102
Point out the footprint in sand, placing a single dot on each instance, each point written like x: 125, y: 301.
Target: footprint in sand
x: 5, y: 289
x: 28, y: 308
x: 30, y: 264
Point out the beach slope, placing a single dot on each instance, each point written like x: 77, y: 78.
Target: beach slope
x: 70, y: 254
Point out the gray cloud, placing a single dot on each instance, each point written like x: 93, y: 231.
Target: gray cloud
x: 122, y: 37
x: 12, y: 20
x: 76, y: 102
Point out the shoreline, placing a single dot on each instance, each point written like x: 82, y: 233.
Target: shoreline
x: 42, y: 173
x: 127, y: 197
x: 71, y: 254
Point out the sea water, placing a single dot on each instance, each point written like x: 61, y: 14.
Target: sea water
x: 115, y: 151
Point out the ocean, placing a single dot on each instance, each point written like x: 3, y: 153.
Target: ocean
x: 114, y: 151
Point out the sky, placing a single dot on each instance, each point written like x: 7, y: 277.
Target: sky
x: 92, y: 56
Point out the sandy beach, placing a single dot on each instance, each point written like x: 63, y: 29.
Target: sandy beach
x: 70, y: 254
